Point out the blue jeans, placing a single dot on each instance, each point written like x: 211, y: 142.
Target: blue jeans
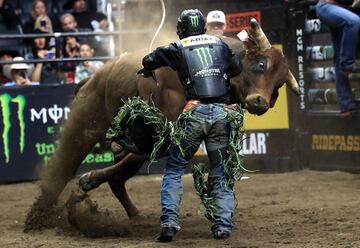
x: 344, y: 26
x: 214, y: 129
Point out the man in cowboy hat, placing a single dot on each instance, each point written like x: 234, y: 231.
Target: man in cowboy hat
x: 19, y: 74
x: 6, y: 55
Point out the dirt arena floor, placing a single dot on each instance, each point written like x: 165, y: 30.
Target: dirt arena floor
x: 297, y: 209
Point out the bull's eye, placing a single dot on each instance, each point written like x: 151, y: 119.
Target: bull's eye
x: 259, y: 67
x: 262, y: 65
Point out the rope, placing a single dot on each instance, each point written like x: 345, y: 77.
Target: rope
x: 160, y: 26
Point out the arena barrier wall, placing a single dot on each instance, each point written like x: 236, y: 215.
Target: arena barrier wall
x: 33, y: 114
x: 32, y: 117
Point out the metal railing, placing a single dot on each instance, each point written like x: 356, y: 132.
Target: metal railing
x: 59, y: 34
x: 30, y: 61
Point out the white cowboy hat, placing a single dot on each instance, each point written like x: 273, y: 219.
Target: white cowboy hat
x: 216, y: 16
x: 19, y: 66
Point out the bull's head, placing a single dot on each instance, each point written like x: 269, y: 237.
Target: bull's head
x: 265, y: 70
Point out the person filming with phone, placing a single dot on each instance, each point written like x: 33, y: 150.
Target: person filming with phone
x: 39, y: 13
x: 44, y: 72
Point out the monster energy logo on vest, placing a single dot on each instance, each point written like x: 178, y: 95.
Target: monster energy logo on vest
x: 194, y: 21
x: 204, y: 55
x: 5, y: 101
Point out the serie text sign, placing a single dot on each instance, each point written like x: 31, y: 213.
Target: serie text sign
x: 235, y: 22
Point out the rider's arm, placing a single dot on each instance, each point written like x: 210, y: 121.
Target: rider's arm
x: 235, y: 67
x: 162, y: 56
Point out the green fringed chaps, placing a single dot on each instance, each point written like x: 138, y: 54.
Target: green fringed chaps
x: 232, y: 163
x: 136, y: 108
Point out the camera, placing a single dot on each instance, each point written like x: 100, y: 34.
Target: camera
x: 49, y: 54
x: 19, y: 72
x: 23, y: 74
x: 43, y: 23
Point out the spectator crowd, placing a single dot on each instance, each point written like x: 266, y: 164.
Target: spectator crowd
x: 72, y: 16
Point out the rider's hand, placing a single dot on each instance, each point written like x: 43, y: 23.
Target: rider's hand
x: 145, y: 73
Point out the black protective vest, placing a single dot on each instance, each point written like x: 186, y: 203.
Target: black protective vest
x: 205, y: 61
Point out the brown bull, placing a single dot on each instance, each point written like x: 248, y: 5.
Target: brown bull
x: 265, y: 69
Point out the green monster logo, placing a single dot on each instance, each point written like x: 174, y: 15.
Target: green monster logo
x: 204, y: 55
x: 194, y: 21
x: 5, y: 101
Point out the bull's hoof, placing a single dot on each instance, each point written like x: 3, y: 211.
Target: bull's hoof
x: 86, y: 184
x: 133, y: 213
x: 85, y: 216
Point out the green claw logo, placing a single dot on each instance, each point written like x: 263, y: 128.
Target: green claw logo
x: 5, y: 101
x: 194, y: 21
x: 204, y: 55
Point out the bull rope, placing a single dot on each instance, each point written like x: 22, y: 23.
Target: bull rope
x: 160, y: 26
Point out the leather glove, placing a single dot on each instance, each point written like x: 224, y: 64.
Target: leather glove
x: 145, y: 73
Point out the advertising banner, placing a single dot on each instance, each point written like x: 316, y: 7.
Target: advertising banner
x: 31, y: 119
x: 336, y: 147
x: 236, y: 22
x: 30, y: 124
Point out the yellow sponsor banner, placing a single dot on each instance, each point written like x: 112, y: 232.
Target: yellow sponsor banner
x: 274, y: 118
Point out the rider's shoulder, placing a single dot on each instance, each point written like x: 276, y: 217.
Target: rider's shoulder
x: 199, y: 40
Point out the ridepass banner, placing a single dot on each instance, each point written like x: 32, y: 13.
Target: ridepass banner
x: 30, y: 123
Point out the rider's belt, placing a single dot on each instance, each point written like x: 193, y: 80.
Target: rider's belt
x: 192, y: 103
x: 328, y: 1
x: 234, y: 106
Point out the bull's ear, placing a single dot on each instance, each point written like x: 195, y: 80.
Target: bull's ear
x: 251, y: 45
x: 292, y: 83
x: 248, y: 40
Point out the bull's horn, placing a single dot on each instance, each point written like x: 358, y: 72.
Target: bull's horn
x: 292, y: 83
x: 259, y: 35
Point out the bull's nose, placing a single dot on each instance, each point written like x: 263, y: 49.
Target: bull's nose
x: 256, y: 101
x: 256, y: 104
x: 259, y: 100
